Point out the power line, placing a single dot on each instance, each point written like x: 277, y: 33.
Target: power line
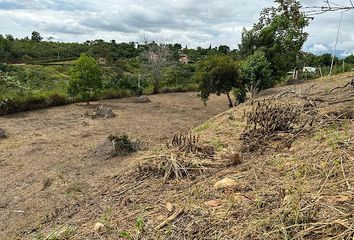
x: 327, y: 6
x: 335, y: 46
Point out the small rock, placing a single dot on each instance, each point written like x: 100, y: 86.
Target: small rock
x: 225, y: 183
x: 99, y: 227
x: 213, y: 203
x: 144, y: 99
x: 2, y: 133
x: 141, y: 99
x: 169, y: 207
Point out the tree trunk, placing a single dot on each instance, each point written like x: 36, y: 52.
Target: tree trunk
x: 156, y: 83
x: 155, y: 89
x: 230, y: 101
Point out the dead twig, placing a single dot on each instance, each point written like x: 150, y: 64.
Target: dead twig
x: 346, y: 85
x: 170, y: 219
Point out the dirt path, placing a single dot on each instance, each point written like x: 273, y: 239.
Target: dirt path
x: 49, y: 159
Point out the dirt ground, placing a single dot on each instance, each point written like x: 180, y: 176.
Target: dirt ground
x: 57, y: 182
x: 52, y: 157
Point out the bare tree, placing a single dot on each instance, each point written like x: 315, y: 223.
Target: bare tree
x: 157, y: 56
x: 328, y: 6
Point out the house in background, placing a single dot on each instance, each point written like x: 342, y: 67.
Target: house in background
x: 183, y: 59
x: 309, y: 69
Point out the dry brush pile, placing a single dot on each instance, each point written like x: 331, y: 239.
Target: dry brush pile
x: 123, y: 145
x: 100, y: 112
x: 184, y: 156
x: 272, y: 125
x: 305, y: 192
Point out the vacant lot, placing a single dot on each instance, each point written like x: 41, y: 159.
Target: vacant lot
x: 52, y: 157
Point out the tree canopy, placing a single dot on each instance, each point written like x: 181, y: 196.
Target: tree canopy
x: 256, y: 72
x: 86, y: 77
x: 279, y: 33
x: 218, y: 75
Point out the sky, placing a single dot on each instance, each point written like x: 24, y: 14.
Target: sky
x: 189, y: 22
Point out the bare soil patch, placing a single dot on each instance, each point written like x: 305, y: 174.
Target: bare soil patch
x: 48, y: 163
x: 302, y: 191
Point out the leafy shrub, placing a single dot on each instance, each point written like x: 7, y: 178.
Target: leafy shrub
x: 57, y: 99
x: 18, y: 103
x: 86, y: 78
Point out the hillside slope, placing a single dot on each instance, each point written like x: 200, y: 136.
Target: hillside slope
x: 292, y: 181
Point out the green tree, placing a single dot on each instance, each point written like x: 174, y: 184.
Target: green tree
x: 349, y: 59
x: 5, y: 49
x: 36, y: 36
x: 86, y: 78
x: 218, y: 75
x: 280, y: 34
x: 326, y: 59
x: 256, y: 73
x: 224, y: 49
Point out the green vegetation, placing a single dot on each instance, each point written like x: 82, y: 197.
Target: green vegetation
x: 86, y: 78
x: 256, y: 72
x: 218, y: 75
x: 279, y: 33
x: 62, y: 233
x: 35, y: 73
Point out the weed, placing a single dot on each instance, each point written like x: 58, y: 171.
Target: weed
x: 217, y: 144
x: 62, y: 233
x: 203, y: 127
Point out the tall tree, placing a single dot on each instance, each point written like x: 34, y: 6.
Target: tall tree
x: 224, y: 49
x: 86, y: 78
x: 157, y: 58
x: 349, y: 59
x: 279, y: 33
x: 218, y: 75
x: 256, y: 73
x: 36, y: 36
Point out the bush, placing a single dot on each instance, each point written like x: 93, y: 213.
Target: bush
x: 86, y: 78
x: 18, y: 103
x: 116, y: 93
x: 57, y: 99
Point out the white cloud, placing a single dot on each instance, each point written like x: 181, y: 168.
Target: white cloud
x: 319, y: 48
x: 189, y: 22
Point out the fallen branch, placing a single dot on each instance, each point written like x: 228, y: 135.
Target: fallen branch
x: 170, y: 219
x: 346, y: 85
x: 341, y: 101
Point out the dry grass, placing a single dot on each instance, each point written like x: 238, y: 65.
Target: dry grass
x: 301, y: 192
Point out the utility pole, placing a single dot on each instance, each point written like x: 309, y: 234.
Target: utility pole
x: 343, y: 65
x: 335, y: 46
